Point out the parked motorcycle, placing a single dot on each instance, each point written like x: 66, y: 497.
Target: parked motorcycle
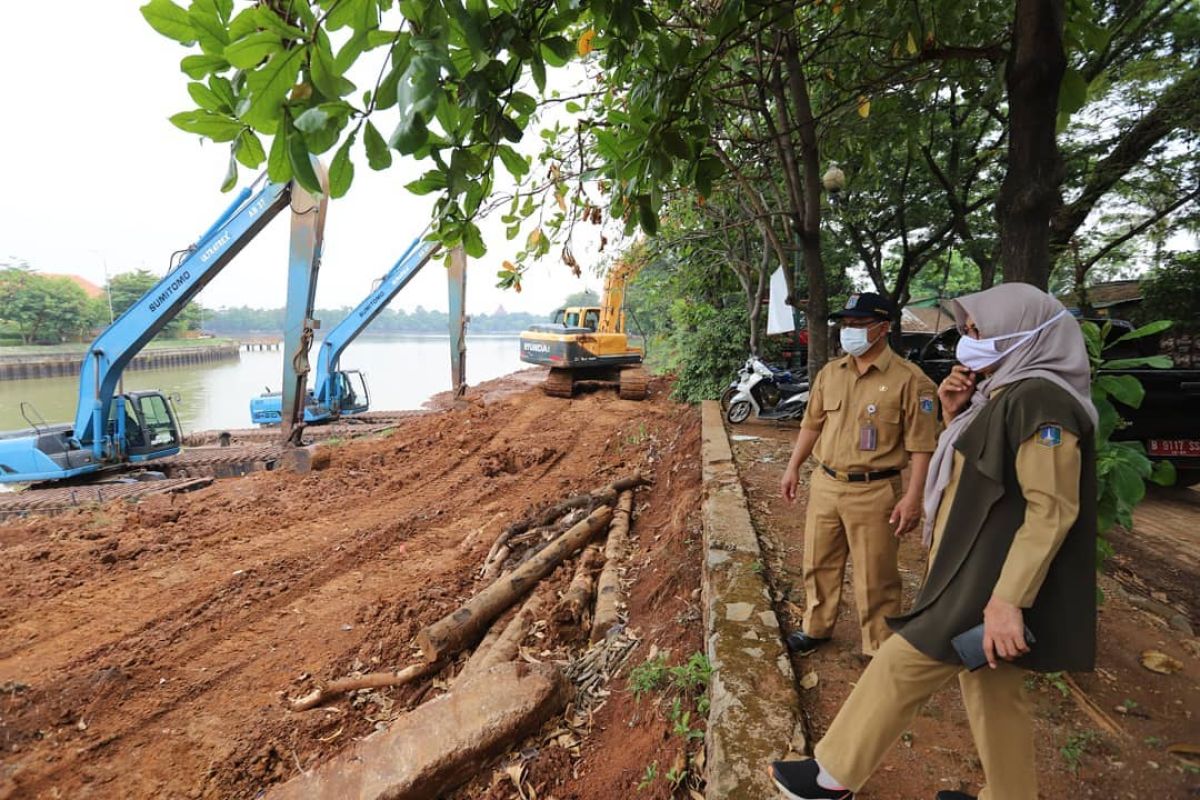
x: 767, y: 393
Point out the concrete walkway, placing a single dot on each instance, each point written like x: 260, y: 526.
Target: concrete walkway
x: 755, y: 711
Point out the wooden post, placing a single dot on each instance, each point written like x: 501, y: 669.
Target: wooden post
x: 456, y: 275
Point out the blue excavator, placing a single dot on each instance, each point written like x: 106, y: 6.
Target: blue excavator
x: 336, y: 392
x: 113, y: 428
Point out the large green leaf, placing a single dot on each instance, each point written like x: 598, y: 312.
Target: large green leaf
x: 1164, y: 473
x: 210, y: 31
x: 432, y: 181
x: 515, y: 163
x: 360, y: 15
x: 410, y: 134
x: 249, y: 149
x: 312, y: 120
x: 1072, y: 93
x: 378, y: 155
x: 302, y: 168
x: 170, y: 20
x: 473, y: 241
x: 325, y: 73
x: 269, y: 86
x: 249, y: 51
x: 1151, y: 362
x: 197, y: 67
x: 269, y: 20
x: 1146, y: 330
x: 231, y: 173
x: 1126, y: 389
x: 279, y: 168
x: 341, y: 170
x: 218, y: 127
x: 208, y: 99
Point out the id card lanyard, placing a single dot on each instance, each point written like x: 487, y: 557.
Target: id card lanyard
x: 868, y: 434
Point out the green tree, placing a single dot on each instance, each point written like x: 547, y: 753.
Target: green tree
x: 128, y: 287
x: 1173, y: 292
x: 43, y: 310
x: 587, y: 297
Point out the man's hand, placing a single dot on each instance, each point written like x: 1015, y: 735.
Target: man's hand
x: 955, y: 391
x: 788, y: 483
x: 905, y: 515
x: 1003, y: 631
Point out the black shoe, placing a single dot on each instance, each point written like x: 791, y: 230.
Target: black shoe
x: 797, y: 780
x: 954, y: 796
x: 801, y: 643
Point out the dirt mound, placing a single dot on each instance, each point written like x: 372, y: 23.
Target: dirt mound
x: 144, y: 648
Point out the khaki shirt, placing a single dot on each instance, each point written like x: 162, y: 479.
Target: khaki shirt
x: 1048, y: 474
x: 893, y: 394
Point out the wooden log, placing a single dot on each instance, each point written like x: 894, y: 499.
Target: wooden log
x: 547, y: 516
x: 506, y: 644
x: 464, y: 626
x: 609, y: 593
x: 578, y: 597
x: 372, y: 680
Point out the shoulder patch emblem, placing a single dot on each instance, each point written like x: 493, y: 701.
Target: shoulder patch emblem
x: 1050, y: 435
x: 926, y: 404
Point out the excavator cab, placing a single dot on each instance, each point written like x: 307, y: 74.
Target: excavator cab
x: 143, y: 425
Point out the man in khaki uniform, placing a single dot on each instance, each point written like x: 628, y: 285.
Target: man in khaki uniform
x: 1010, y: 512
x: 869, y: 414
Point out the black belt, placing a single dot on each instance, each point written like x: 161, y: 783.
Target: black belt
x: 860, y: 477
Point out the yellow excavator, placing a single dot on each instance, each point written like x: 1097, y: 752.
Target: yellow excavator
x: 589, y: 343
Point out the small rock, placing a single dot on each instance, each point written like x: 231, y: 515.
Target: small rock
x: 347, y: 627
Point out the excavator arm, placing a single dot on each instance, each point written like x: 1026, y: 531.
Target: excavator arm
x: 415, y: 257
x: 612, y: 312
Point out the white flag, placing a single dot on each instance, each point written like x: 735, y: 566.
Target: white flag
x: 779, y: 314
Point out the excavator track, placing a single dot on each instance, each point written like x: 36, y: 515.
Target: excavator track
x: 634, y: 384
x: 559, y: 383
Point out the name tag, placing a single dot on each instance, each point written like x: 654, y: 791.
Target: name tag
x: 868, y: 437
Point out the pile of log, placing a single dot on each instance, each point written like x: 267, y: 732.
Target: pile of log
x: 524, y: 553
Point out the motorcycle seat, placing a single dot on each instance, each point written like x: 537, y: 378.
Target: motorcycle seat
x: 793, y: 387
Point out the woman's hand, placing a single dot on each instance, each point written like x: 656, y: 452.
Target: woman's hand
x: 956, y: 390
x: 1003, y: 631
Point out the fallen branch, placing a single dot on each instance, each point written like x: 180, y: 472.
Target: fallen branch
x: 372, y: 680
x: 464, y: 625
x: 609, y: 594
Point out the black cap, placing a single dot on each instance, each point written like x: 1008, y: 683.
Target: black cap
x: 866, y: 305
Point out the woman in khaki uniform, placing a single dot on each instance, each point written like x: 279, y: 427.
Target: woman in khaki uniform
x: 1010, y: 509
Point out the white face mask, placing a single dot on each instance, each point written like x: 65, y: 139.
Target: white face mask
x: 979, y: 354
x: 856, y: 341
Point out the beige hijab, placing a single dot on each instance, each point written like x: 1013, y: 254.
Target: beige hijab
x: 1056, y: 353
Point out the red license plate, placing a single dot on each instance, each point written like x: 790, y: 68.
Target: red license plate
x: 1175, y: 447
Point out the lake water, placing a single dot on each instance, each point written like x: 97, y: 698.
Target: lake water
x: 402, y: 372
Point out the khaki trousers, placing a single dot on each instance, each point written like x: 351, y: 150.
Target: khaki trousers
x: 893, y: 688
x: 851, y: 519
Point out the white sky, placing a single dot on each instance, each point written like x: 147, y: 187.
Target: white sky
x: 94, y: 172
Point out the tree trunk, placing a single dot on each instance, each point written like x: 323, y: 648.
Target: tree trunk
x: 609, y: 594
x: 1030, y: 193
x: 817, y: 310
x: 463, y: 626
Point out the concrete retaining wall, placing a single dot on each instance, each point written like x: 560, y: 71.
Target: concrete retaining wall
x: 57, y: 365
x: 754, y: 716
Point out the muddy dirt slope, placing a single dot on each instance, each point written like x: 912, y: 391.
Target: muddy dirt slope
x: 144, y: 648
